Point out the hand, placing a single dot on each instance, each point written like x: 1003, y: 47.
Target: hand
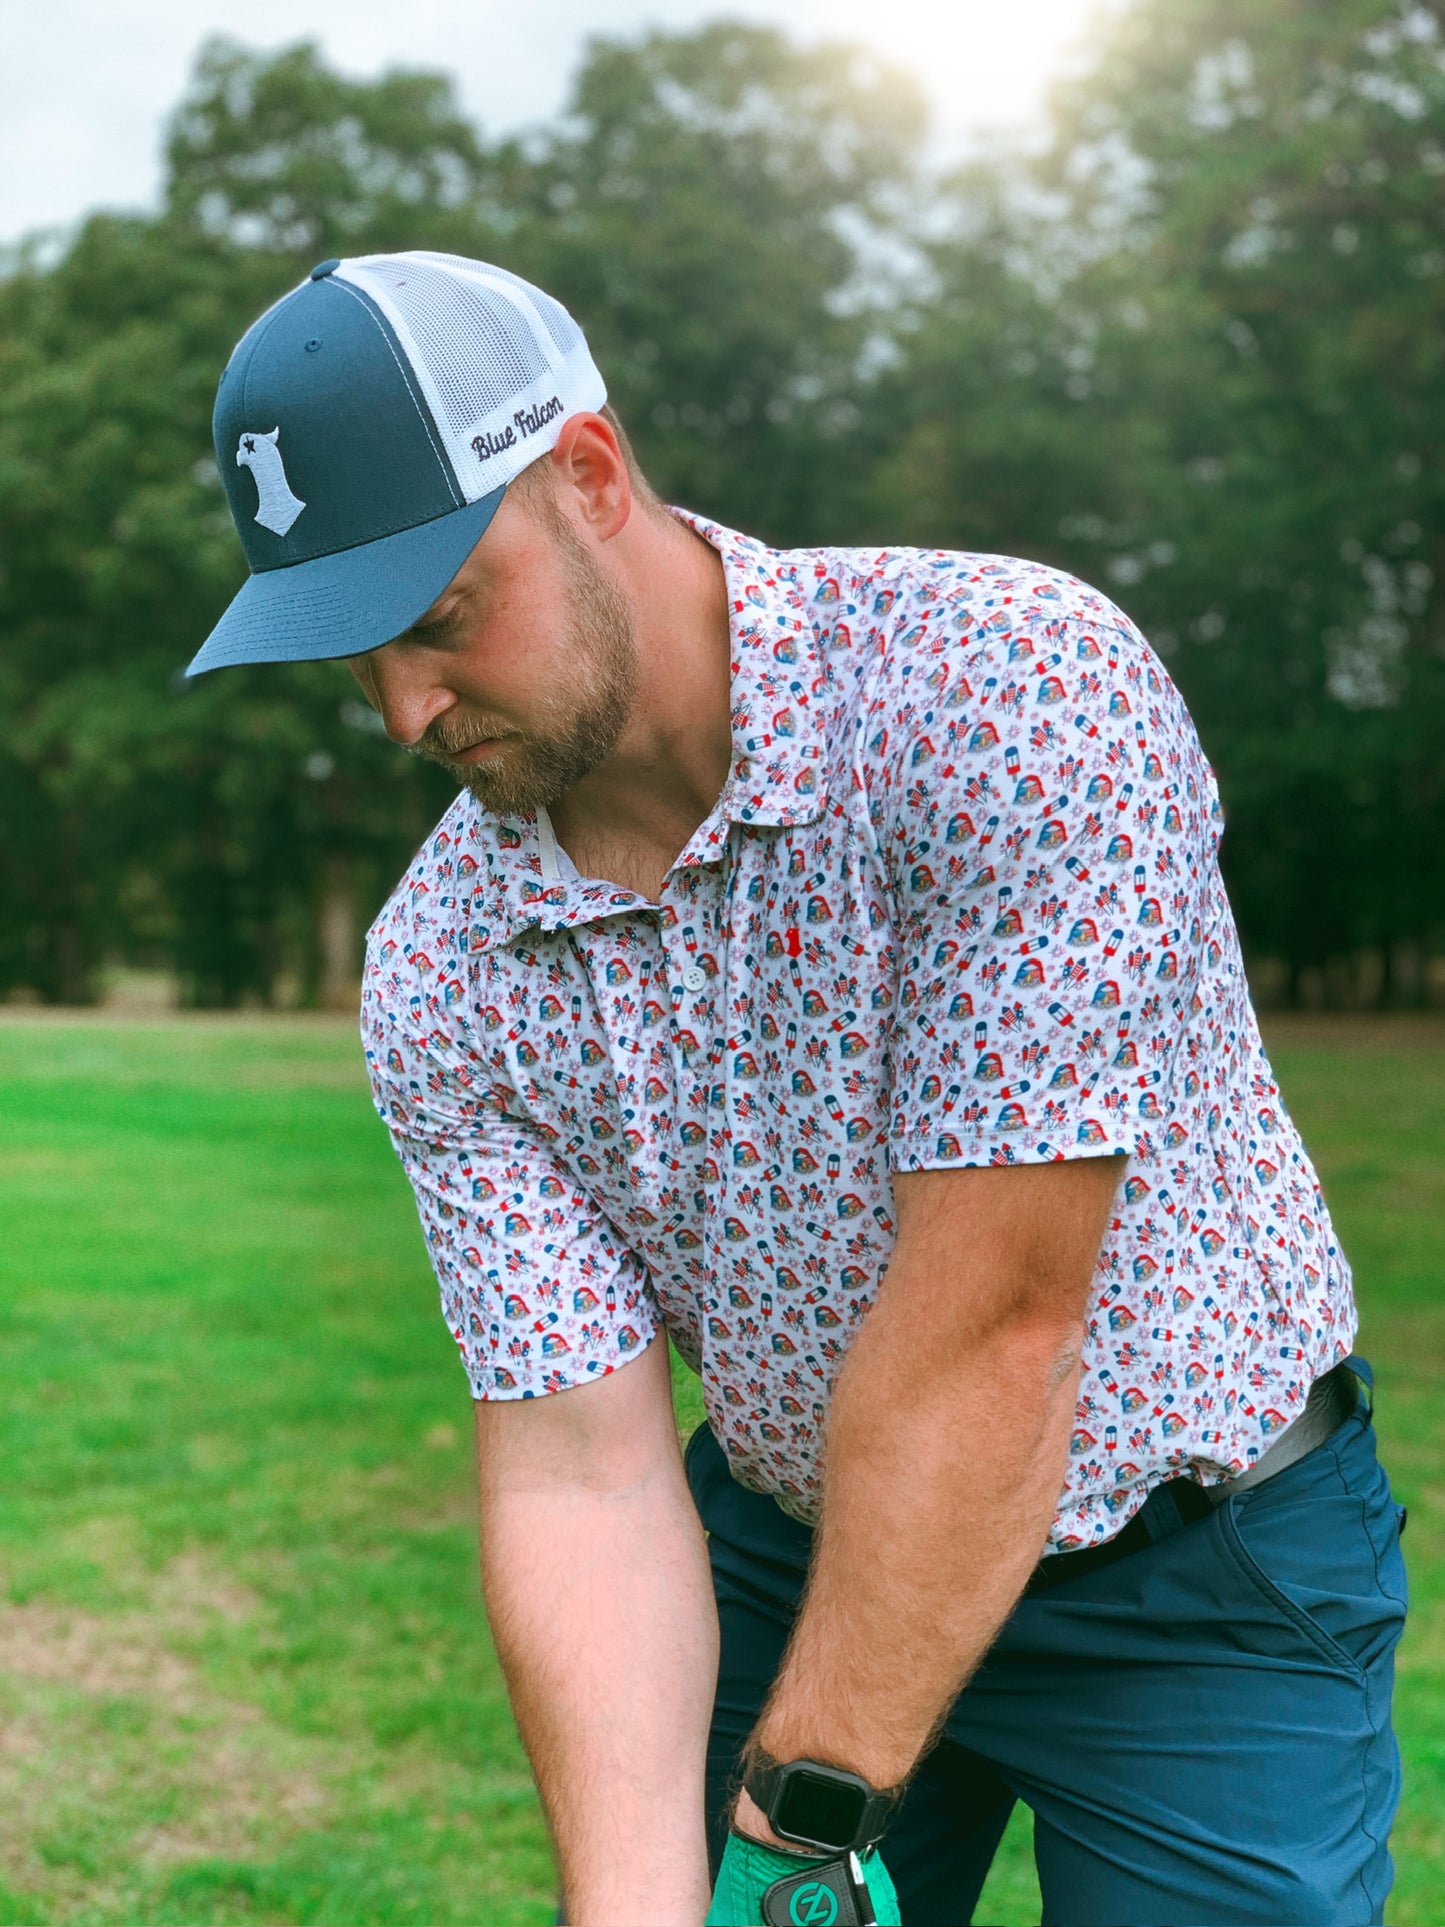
x: 759, y: 1886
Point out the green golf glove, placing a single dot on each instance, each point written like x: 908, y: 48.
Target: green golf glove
x: 759, y: 1887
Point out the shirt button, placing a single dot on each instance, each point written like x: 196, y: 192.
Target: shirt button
x: 694, y: 977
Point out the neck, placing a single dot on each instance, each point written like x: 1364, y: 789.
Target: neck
x: 661, y: 781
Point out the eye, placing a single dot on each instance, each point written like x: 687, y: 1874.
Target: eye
x: 431, y: 635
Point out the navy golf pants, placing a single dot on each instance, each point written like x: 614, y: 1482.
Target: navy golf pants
x: 1201, y: 1727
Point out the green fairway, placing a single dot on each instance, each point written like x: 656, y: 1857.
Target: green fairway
x: 244, y: 1674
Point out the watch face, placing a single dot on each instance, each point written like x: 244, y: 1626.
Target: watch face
x: 815, y: 1808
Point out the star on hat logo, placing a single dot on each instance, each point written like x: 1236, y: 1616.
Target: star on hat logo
x: 278, y: 507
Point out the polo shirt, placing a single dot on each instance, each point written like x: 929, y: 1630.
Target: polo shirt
x: 957, y: 904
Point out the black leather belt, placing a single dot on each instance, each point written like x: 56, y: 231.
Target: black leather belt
x: 1331, y: 1399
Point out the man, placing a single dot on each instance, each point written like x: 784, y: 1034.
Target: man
x: 826, y: 963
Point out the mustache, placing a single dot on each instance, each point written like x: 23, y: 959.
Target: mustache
x: 448, y: 736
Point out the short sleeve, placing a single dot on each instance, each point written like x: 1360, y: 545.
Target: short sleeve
x: 1049, y: 834
x: 536, y: 1288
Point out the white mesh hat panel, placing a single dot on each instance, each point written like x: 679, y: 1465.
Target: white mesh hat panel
x: 501, y: 364
x: 566, y: 335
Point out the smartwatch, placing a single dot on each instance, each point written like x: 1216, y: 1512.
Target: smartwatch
x: 819, y: 1806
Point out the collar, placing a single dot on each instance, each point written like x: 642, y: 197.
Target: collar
x: 777, y: 775
x: 777, y: 772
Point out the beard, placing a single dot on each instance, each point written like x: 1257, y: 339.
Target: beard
x: 577, y: 727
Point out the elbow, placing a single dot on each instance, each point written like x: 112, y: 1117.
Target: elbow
x: 1036, y: 1344
x: 1068, y: 1355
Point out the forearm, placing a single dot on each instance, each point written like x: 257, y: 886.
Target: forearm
x: 603, y: 1617
x: 940, y: 1487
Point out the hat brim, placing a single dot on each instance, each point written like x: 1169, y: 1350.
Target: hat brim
x: 347, y: 603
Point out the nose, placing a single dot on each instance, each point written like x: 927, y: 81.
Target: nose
x: 407, y: 697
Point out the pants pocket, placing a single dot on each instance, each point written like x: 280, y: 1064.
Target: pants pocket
x: 1321, y: 1544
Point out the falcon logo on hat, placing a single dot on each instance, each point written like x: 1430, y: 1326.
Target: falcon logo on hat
x: 277, y: 508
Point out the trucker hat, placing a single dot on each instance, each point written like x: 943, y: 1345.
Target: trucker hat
x: 366, y: 428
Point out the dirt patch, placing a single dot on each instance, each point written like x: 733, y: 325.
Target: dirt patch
x: 91, y: 1654
x: 194, y: 1593
x: 115, y: 1750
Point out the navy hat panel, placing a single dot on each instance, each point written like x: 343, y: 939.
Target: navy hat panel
x: 322, y: 438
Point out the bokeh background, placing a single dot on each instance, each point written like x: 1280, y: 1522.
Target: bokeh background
x: 1152, y: 292
x: 1185, y: 339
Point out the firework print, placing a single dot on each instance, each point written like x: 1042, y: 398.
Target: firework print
x: 958, y: 904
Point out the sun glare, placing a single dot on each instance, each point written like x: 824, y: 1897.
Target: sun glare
x: 983, y: 63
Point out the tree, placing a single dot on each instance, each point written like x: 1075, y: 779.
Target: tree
x: 200, y: 824
x: 1194, y: 351
x: 716, y: 208
x: 694, y: 206
x: 1191, y: 350
x: 281, y: 155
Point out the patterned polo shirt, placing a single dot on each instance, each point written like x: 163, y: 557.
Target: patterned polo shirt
x: 957, y: 904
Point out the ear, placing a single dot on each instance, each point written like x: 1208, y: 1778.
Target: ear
x: 593, y: 481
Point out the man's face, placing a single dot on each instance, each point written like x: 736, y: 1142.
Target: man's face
x: 520, y: 677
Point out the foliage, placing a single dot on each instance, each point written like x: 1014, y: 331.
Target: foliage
x: 711, y: 205
x: 1191, y: 350
x: 1195, y: 353
x: 284, y: 155
x: 199, y: 824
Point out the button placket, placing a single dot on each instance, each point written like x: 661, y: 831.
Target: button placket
x: 690, y: 1010
x: 693, y: 975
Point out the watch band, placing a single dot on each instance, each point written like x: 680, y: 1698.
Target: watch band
x: 766, y: 1781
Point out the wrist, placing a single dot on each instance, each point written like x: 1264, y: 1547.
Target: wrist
x: 884, y: 1767
x: 749, y: 1819
x: 810, y: 1806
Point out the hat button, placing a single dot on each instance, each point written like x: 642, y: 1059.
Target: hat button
x: 323, y: 268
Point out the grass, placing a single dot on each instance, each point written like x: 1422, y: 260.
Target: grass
x: 243, y: 1668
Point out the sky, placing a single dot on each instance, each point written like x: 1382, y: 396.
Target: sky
x: 85, y: 85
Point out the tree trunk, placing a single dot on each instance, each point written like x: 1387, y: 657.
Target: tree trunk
x: 338, y: 940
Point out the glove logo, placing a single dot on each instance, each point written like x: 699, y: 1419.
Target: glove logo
x: 830, y: 1893
x: 813, y: 1905
x: 277, y: 507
